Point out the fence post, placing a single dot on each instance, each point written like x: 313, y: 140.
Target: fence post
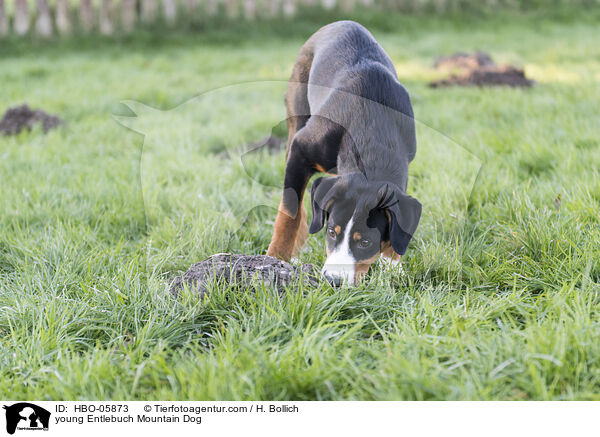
x: 250, y: 9
x: 211, y: 7
x: 170, y: 10
x: 289, y: 7
x: 43, y: 23
x: 3, y: 20
x: 63, y: 17
x: 232, y: 8
x: 347, y: 5
x: 86, y: 15
x: 106, y: 17
x: 127, y: 15
x: 190, y: 6
x: 272, y: 8
x: 21, y: 23
x: 148, y: 10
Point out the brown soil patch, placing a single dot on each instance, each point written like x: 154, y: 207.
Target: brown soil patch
x: 478, y: 69
x: 244, y: 271
x: 22, y: 117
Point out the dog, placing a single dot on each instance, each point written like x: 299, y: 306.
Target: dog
x: 349, y: 117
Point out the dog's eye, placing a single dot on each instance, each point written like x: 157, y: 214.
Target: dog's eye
x: 331, y: 233
x: 363, y: 244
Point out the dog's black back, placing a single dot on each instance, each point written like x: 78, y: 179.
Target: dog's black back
x: 348, y: 58
x: 352, y: 83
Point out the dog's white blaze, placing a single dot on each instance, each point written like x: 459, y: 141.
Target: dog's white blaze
x: 340, y: 263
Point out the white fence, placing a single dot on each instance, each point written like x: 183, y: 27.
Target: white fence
x: 47, y: 17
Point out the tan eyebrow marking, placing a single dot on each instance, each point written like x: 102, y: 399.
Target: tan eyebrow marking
x: 337, y: 229
x: 357, y: 236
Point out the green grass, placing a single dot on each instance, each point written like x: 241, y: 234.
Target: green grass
x: 500, y: 299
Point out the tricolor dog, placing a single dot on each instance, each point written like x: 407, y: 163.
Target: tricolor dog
x: 349, y: 117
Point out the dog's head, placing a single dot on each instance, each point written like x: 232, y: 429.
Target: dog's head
x: 361, y: 218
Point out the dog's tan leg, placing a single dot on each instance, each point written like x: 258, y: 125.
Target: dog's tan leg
x: 391, y: 256
x: 391, y: 260
x: 302, y: 234
x: 285, y: 231
x: 291, y: 212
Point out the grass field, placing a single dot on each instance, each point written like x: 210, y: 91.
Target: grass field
x: 500, y: 297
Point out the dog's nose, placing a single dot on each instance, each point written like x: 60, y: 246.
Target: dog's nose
x: 334, y: 280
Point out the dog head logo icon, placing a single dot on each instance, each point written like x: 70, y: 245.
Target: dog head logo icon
x: 26, y: 416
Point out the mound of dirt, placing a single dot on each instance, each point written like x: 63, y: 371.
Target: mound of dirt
x: 464, y: 60
x: 479, y: 69
x: 244, y: 270
x: 23, y: 117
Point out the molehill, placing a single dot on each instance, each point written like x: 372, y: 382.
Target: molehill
x: 245, y: 271
x: 478, y: 69
x: 23, y: 117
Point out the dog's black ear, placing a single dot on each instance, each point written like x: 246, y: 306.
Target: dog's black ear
x: 320, y: 194
x: 404, y: 215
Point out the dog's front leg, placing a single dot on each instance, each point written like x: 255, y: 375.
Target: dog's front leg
x: 390, y: 256
x: 391, y: 260
x: 291, y: 209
